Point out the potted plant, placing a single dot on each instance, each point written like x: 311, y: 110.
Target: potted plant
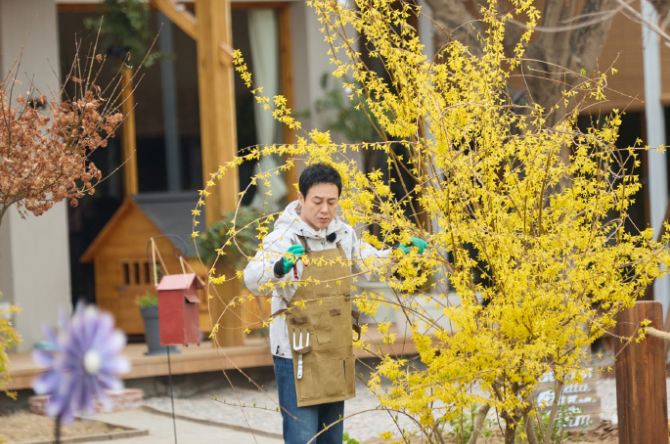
x: 148, y: 304
x: 246, y: 242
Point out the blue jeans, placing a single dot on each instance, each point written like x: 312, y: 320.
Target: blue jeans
x: 310, y: 420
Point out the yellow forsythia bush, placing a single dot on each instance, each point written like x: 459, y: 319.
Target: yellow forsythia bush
x: 9, y: 337
x: 528, y: 256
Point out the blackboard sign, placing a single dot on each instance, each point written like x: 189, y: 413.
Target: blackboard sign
x: 579, y: 403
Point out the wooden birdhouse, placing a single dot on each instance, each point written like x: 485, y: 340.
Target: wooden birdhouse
x: 119, y: 253
x: 178, y: 309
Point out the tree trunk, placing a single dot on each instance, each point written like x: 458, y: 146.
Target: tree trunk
x: 510, y: 431
x: 479, y: 423
x: 530, y: 429
x: 554, y: 410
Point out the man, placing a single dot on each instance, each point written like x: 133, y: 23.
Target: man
x: 312, y: 343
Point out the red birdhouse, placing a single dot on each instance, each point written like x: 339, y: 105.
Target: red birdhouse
x: 178, y: 309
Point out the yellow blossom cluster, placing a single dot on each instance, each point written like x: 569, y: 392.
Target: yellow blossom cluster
x: 9, y: 337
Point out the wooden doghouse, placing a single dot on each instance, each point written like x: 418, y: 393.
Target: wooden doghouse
x: 178, y: 309
x: 119, y: 253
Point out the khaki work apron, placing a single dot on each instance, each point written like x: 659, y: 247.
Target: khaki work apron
x: 327, y: 373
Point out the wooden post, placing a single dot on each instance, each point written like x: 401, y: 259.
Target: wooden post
x: 129, y: 137
x: 219, y: 144
x: 183, y: 19
x: 640, y: 378
x: 286, y: 79
x: 217, y: 104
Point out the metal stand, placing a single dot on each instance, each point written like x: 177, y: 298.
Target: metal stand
x: 174, y: 419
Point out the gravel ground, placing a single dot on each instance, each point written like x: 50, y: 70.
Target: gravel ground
x: 363, y: 426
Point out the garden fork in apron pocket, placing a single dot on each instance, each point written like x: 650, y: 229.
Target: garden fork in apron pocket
x: 300, y: 350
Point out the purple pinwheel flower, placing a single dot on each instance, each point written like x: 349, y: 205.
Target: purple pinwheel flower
x: 86, y: 363
x: 48, y: 381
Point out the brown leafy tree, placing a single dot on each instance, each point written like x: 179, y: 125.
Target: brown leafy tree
x: 45, y: 144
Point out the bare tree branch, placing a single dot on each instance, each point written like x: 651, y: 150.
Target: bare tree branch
x: 456, y: 23
x: 586, y: 43
x: 663, y: 9
x: 661, y: 27
x: 566, y: 49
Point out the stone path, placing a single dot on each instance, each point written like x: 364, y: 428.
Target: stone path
x: 161, y: 430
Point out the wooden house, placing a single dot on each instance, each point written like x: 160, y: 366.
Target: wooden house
x: 122, y: 255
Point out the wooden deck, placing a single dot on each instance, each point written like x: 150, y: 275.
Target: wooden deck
x: 197, y: 359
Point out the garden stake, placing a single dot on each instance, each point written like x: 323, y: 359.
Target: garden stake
x: 57, y: 431
x: 174, y: 420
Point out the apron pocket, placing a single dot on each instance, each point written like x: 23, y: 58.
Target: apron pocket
x: 350, y: 374
x: 323, y: 335
x: 305, y: 385
x: 330, y: 376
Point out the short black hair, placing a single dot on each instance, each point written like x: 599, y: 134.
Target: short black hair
x: 319, y: 173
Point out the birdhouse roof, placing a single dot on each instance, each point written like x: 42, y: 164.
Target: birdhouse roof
x: 179, y: 282
x: 169, y: 212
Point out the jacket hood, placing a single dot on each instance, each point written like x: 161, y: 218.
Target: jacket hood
x: 291, y: 222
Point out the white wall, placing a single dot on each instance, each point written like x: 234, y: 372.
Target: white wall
x: 310, y: 61
x: 34, y: 257
x: 426, y: 29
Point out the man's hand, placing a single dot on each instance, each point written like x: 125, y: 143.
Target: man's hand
x: 416, y: 242
x: 290, y: 258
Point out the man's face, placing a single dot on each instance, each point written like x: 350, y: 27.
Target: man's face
x: 320, y: 205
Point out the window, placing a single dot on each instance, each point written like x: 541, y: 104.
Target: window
x: 135, y: 273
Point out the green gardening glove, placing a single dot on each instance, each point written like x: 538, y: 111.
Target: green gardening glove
x: 293, y: 255
x: 415, y: 241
